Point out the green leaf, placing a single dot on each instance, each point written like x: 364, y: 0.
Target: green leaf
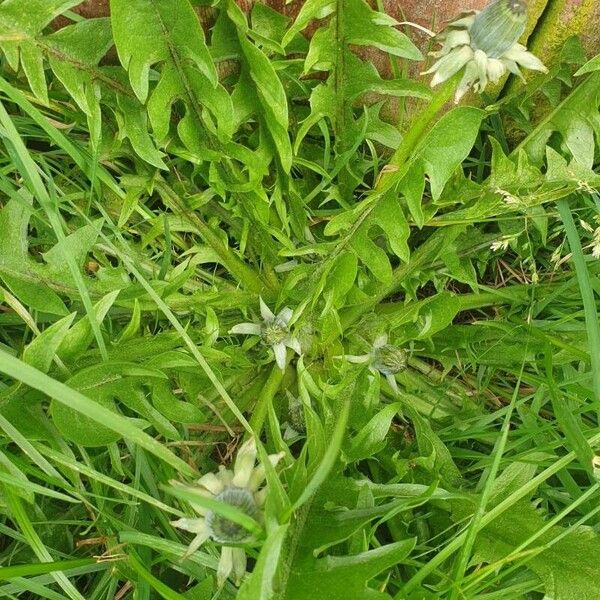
x: 371, y: 438
x: 423, y: 319
x: 73, y: 59
x: 260, y: 585
x: 135, y: 127
x: 564, y: 559
x: 161, y: 588
x: 81, y: 335
x: 168, y: 35
x: 19, y: 27
x: 42, y: 568
x: 430, y: 445
x: 442, y: 151
x: 342, y: 275
x: 574, y: 120
x: 350, y: 80
x: 329, y: 458
x: 63, y: 394
x: 387, y: 216
x: 29, y: 281
x: 105, y: 383
x: 310, y: 10
x: 343, y: 577
x: 172, y: 407
x: 333, y: 516
x: 366, y: 27
x: 591, y: 65
x: 260, y: 79
x: 40, y: 352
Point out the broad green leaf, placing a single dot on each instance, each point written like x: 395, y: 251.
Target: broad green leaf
x: 63, y: 394
x: 423, y: 319
x: 591, y: 65
x: 564, y: 560
x: 332, y: 517
x: 351, y: 23
x: 29, y: 281
x: 261, y: 80
x: 74, y: 60
x: 430, y: 445
x: 106, y: 383
x: 40, y: 352
x: 573, y: 119
x: 364, y: 26
x: 442, y: 151
x: 167, y: 35
x: 342, y: 577
x: 310, y: 10
x: 135, y: 127
x: 81, y: 334
x: 387, y: 216
x: 19, y: 26
x: 371, y: 438
x: 329, y: 458
x: 342, y: 275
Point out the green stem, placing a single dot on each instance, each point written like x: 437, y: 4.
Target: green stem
x: 424, y: 254
x: 419, y: 127
x: 513, y: 294
x: 251, y: 280
x: 264, y: 399
x: 387, y: 179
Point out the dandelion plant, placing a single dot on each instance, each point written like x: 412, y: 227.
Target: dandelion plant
x: 279, y: 320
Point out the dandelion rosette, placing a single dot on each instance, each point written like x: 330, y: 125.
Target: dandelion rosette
x: 485, y: 44
x: 241, y: 488
x: 274, y: 331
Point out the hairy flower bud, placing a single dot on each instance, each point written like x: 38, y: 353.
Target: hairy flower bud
x: 274, y: 333
x: 389, y: 360
x: 296, y: 415
x: 224, y: 530
x: 240, y: 488
x: 484, y: 46
x: 499, y: 26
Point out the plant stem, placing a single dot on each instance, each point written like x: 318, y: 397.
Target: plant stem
x: 388, y: 178
x: 418, y: 127
x: 265, y: 398
x: 251, y: 280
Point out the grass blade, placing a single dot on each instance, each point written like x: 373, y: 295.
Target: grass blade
x: 61, y: 393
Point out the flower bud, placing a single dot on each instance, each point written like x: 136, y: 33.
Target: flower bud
x: 389, y: 360
x: 225, y: 531
x: 296, y: 415
x: 498, y: 26
x: 274, y: 333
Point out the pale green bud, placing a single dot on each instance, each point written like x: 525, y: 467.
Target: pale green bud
x: 223, y: 530
x: 390, y: 360
x: 499, y: 26
x: 274, y: 332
